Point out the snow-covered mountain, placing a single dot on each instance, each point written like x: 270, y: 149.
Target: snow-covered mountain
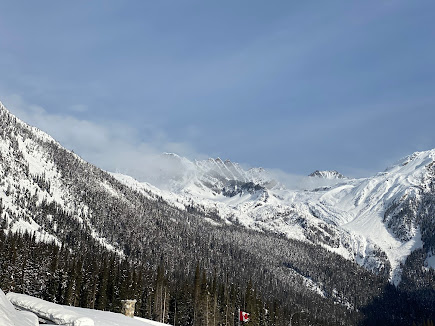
x: 179, y: 175
x: 384, y: 223
x: 327, y: 174
x: 375, y: 221
x: 50, y: 195
x: 361, y: 219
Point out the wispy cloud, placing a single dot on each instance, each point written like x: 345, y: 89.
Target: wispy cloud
x: 117, y: 148
x: 112, y: 146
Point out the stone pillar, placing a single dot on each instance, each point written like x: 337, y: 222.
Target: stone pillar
x: 128, y: 307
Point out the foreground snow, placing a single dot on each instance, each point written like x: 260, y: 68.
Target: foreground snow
x: 106, y: 318
x: 9, y: 316
x: 60, y: 315
x: 48, y: 310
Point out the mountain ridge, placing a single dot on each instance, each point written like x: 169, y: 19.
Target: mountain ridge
x: 356, y: 212
x: 332, y: 174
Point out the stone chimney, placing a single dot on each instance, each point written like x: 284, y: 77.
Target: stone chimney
x: 128, y: 307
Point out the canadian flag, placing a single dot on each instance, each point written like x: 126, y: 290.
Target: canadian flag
x: 244, y: 316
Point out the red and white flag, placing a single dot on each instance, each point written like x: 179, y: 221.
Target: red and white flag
x: 244, y: 316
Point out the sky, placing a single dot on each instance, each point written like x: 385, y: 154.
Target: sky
x: 289, y: 85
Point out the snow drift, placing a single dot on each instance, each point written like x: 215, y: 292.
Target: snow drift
x: 9, y: 316
x: 48, y: 310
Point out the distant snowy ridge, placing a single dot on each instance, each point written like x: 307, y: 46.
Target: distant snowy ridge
x: 177, y: 173
x: 327, y: 174
x: 347, y: 216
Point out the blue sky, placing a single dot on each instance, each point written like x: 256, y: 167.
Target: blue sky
x: 291, y: 85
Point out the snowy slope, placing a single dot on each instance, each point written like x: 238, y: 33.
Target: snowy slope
x: 36, y: 175
x: 360, y: 206
x: 106, y: 318
x: 22, y: 162
x: 61, y: 315
x: 9, y: 316
x: 346, y: 216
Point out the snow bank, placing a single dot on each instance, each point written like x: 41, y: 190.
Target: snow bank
x: 107, y: 318
x: 9, y: 316
x: 48, y: 310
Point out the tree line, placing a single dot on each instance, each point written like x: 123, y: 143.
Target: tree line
x: 98, y: 279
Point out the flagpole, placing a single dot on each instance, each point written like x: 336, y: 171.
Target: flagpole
x: 238, y: 317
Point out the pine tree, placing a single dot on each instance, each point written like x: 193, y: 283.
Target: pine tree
x: 197, y: 296
x: 103, y: 280
x: 204, y: 310
x: 53, y: 282
x: 251, y: 305
x: 161, y: 297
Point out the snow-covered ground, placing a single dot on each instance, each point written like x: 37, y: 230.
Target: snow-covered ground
x: 106, y: 318
x: 9, y: 316
x: 60, y: 315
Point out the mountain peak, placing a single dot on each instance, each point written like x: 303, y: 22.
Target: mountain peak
x: 171, y: 155
x: 9, y: 119
x: 2, y: 107
x: 327, y: 174
x: 415, y: 161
